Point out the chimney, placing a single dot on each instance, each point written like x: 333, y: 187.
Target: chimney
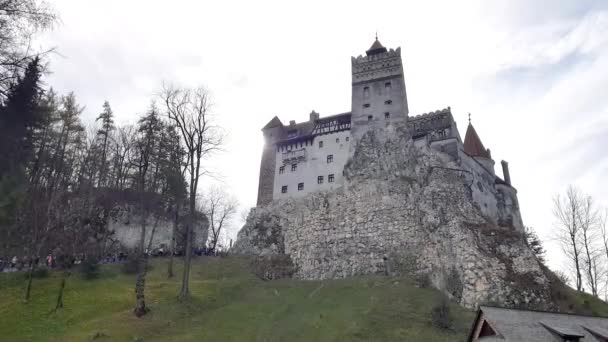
x: 505, y: 172
x: 292, y: 122
x: 314, y: 116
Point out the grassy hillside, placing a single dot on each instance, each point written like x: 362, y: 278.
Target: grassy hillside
x: 228, y: 304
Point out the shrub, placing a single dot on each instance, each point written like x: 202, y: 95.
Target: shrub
x: 440, y: 315
x: 402, y: 263
x: 272, y: 267
x: 130, y: 266
x: 453, y: 284
x: 423, y: 280
x: 89, y: 268
x: 41, y: 272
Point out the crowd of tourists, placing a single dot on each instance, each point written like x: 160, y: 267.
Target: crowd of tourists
x: 16, y: 263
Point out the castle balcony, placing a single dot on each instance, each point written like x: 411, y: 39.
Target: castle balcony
x: 294, y: 156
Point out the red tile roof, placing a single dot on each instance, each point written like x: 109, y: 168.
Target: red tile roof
x: 473, y: 145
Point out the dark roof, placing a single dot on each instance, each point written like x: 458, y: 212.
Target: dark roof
x: 473, y: 145
x: 307, y: 129
x: 273, y: 123
x: 536, y: 326
x: 376, y: 48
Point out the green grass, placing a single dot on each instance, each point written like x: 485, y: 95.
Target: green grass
x: 227, y: 304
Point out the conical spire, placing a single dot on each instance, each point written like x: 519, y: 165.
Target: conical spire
x: 376, y: 47
x: 273, y: 123
x: 473, y: 145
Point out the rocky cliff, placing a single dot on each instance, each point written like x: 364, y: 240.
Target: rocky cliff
x: 403, y: 209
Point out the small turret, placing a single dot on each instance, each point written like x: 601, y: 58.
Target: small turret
x: 273, y: 132
x: 376, y: 48
x: 474, y: 147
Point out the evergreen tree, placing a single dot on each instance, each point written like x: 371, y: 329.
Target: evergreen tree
x: 19, y: 116
x: 107, y: 126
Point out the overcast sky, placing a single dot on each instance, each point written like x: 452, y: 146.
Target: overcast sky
x: 534, y: 74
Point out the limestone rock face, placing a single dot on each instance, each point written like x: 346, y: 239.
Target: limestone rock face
x: 403, y: 209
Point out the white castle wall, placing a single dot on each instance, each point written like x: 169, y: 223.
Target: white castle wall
x: 314, y: 165
x: 127, y: 230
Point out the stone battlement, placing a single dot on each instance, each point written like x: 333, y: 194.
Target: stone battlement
x: 447, y: 110
x: 372, y: 58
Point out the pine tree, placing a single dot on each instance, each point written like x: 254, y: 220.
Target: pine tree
x: 107, y: 125
x: 19, y: 116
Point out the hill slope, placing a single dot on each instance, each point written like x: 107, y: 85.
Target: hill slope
x: 228, y: 304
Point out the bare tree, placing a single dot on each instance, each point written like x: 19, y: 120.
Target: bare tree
x: 567, y: 229
x: 589, y: 228
x: 190, y: 112
x: 20, y: 21
x: 148, y: 128
x: 220, y: 208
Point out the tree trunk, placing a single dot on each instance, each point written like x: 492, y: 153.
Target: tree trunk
x: 589, y: 262
x: 172, y: 248
x: 184, y: 291
x: 30, y: 278
x: 140, y: 284
x: 59, y: 304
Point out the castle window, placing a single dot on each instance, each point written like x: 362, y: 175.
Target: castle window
x: 366, y: 91
x: 337, y: 140
x: 294, y: 167
x: 320, y: 180
x: 330, y: 158
x: 387, y: 86
x: 388, y: 102
x: 292, y: 133
x: 300, y: 186
x: 369, y: 118
x: 320, y: 144
x: 366, y: 105
x: 284, y: 189
x: 282, y: 169
x: 347, y: 138
x: 330, y: 178
x: 387, y: 115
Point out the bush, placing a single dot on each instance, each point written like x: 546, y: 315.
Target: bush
x: 423, y: 280
x: 130, y: 266
x: 453, y: 284
x: 89, y: 268
x: 440, y: 315
x: 272, y: 267
x: 39, y: 273
x: 400, y: 263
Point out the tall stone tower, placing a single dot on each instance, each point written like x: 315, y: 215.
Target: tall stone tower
x: 379, y: 97
x: 273, y: 132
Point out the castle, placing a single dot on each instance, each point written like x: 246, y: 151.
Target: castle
x: 307, y: 157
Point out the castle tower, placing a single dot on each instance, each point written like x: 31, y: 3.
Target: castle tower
x: 474, y: 147
x: 273, y: 132
x: 378, y: 89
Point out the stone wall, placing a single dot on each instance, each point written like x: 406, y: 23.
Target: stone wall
x: 402, y: 203
x: 126, y: 225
